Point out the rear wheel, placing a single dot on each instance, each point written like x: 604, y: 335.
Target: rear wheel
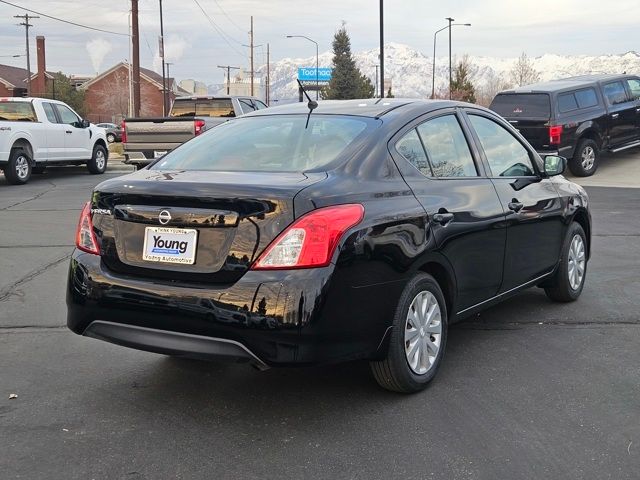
x: 18, y: 170
x: 111, y: 137
x: 585, y: 159
x: 568, y: 280
x: 98, y: 162
x: 418, y: 338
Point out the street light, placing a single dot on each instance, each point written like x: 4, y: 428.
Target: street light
x: 317, y: 65
x: 433, y: 74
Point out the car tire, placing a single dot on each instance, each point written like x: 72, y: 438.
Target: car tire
x: 19, y: 167
x: 409, y: 365
x: 111, y: 137
x: 98, y: 162
x: 585, y: 159
x: 568, y: 281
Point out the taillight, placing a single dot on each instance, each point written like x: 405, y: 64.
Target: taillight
x: 311, y: 240
x: 123, y: 127
x: 85, y: 238
x: 555, y: 134
x: 199, y: 126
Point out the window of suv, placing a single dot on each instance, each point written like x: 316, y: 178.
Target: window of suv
x: 634, y: 86
x: 507, y: 157
x: 586, y: 98
x: 615, y: 93
x: 524, y: 105
x: 567, y: 102
x: 447, y: 148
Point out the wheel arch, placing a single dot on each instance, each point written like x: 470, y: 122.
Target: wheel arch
x: 25, y: 144
x: 581, y: 217
x: 590, y: 133
x: 443, y: 274
x: 103, y: 144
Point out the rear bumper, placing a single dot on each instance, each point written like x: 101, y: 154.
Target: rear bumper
x: 292, y: 317
x: 566, y: 152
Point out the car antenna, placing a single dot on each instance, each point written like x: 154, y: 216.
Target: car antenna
x: 312, y: 104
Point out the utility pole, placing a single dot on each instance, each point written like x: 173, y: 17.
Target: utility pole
x: 251, y: 46
x: 168, y: 85
x: 26, y: 17
x: 135, y: 40
x: 451, y: 20
x: 161, y: 51
x: 228, y: 69
x: 381, y: 49
x: 377, y: 67
x: 268, y: 82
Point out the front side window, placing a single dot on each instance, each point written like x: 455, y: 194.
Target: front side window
x: 615, y: 93
x: 634, y: 86
x: 410, y: 147
x: 66, y: 115
x: 271, y: 143
x: 447, y: 148
x: 506, y: 156
x: 246, y: 105
x: 48, y: 110
x: 17, y: 112
x: 259, y: 105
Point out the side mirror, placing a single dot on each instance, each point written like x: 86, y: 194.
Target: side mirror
x: 554, y: 165
x: 84, y: 124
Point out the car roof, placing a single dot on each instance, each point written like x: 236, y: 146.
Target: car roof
x: 563, y: 84
x: 368, y: 107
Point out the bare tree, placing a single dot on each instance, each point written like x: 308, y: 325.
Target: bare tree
x: 523, y: 72
x: 113, y: 96
x: 494, y: 85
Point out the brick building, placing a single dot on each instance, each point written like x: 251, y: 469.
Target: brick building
x: 13, y: 80
x: 107, y: 95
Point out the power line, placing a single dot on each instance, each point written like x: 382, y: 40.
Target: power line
x: 228, y: 17
x: 65, y: 21
x: 222, y: 34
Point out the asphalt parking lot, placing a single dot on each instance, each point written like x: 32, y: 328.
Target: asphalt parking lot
x: 528, y: 390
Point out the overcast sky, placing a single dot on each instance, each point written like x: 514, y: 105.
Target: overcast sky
x: 500, y: 28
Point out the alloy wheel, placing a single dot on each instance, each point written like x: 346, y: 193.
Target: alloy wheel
x: 22, y: 167
x: 423, y: 332
x: 588, y: 157
x: 100, y: 159
x: 577, y: 262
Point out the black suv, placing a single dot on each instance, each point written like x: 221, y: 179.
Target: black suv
x: 576, y: 117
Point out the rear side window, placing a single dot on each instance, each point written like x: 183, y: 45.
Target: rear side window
x: 17, y: 112
x: 410, y: 147
x: 615, y: 93
x: 246, y: 105
x: 447, y: 148
x: 586, y: 98
x: 48, y: 110
x: 567, y: 102
x: 524, y: 105
x: 634, y: 86
x: 270, y: 143
x: 203, y: 107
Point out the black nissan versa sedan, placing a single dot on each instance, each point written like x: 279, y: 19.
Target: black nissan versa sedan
x: 359, y: 230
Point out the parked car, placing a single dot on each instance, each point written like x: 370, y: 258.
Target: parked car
x: 113, y: 131
x: 37, y: 132
x: 360, y: 230
x: 146, y: 139
x: 576, y: 117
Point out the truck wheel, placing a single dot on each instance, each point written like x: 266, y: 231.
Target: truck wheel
x: 418, y: 338
x: 18, y: 170
x: 98, y: 163
x: 111, y: 137
x: 585, y: 159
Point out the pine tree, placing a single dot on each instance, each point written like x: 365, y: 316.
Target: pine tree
x: 461, y: 86
x: 523, y: 72
x: 347, y: 81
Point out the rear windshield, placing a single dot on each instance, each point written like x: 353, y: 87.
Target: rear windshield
x: 274, y: 143
x: 203, y: 107
x: 524, y: 105
x: 17, y: 112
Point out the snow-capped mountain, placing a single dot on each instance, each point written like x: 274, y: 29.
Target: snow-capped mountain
x: 410, y: 70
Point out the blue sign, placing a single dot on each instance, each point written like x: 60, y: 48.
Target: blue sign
x: 309, y: 74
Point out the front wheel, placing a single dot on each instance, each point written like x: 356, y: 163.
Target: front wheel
x: 568, y: 281
x: 18, y: 169
x: 585, y: 159
x: 98, y: 162
x: 418, y: 338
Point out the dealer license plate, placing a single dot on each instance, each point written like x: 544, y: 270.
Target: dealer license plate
x: 170, y: 245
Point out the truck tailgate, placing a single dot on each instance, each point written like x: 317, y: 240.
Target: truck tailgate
x: 168, y: 131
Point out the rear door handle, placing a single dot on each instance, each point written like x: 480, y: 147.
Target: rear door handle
x: 442, y: 218
x: 515, y: 205
x: 615, y: 115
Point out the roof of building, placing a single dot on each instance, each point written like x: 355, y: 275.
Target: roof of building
x: 13, y: 76
x: 150, y: 75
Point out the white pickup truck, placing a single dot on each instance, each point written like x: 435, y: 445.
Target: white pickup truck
x: 36, y: 132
